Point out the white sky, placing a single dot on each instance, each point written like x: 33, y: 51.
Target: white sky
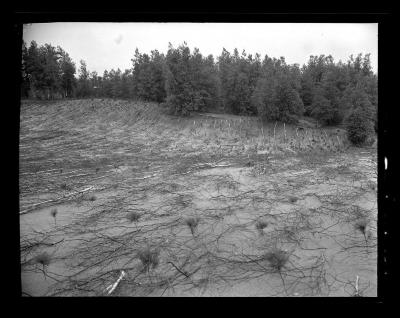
x: 112, y: 45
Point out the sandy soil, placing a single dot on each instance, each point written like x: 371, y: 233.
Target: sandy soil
x: 223, y: 206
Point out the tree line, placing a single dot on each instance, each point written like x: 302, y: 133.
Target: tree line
x: 239, y: 83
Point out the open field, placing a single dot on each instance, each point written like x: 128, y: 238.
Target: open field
x: 211, y: 205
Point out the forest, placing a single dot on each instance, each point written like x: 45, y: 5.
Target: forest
x: 184, y: 81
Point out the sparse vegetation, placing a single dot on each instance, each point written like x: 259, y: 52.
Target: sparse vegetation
x: 149, y: 258
x: 133, y: 216
x: 192, y: 223
x: 222, y: 146
x: 277, y: 258
x: 261, y: 225
x: 53, y: 213
x: 293, y: 199
x: 361, y: 225
x: 180, y: 182
x: 43, y: 259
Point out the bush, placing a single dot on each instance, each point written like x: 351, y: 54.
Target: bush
x: 359, y: 127
x: 277, y: 101
x: 322, y: 109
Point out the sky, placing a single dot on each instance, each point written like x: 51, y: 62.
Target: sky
x: 104, y: 46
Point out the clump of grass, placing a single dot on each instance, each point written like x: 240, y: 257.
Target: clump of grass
x: 64, y: 186
x: 92, y: 198
x: 53, y: 213
x: 183, y: 201
x: 44, y: 259
x: 260, y: 225
x: 250, y: 164
x: 133, y: 216
x: 361, y: 225
x: 277, y: 258
x: 192, y: 223
x: 293, y: 199
x: 372, y: 185
x: 149, y: 258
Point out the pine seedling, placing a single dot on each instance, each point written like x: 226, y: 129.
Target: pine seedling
x: 43, y: 259
x: 192, y: 223
x: 53, y: 213
x: 133, y: 217
x: 293, y: 199
x: 361, y: 225
x: 149, y: 258
x: 261, y: 225
x: 277, y: 258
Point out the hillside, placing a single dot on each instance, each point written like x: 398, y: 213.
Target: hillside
x: 212, y: 204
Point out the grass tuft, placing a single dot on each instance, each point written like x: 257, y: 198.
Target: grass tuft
x: 133, y: 216
x: 277, y: 258
x: 192, y: 223
x: 260, y: 225
x: 43, y: 259
x: 361, y: 225
x: 149, y: 258
x: 53, y: 212
x: 293, y: 199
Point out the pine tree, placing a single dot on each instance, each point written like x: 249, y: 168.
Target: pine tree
x: 68, y: 70
x: 83, y: 87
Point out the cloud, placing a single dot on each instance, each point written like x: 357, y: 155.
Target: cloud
x: 118, y: 40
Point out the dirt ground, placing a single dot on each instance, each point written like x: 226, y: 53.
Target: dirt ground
x: 200, y: 206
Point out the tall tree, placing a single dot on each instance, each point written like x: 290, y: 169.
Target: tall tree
x: 25, y: 85
x: 83, y: 89
x: 68, y: 70
x: 276, y: 95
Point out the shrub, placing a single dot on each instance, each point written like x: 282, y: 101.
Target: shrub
x: 277, y: 101
x: 359, y: 127
x: 322, y: 109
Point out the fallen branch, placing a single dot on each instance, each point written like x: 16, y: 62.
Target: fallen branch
x: 112, y: 287
x: 35, y: 206
x: 183, y: 273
